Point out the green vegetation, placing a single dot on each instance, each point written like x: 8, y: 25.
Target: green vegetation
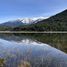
x: 2, y: 63
x: 57, y: 22
x: 24, y: 64
x: 3, y: 28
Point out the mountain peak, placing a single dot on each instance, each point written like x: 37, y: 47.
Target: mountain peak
x: 19, y: 22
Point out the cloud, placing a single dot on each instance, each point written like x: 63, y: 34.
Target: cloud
x: 35, y: 18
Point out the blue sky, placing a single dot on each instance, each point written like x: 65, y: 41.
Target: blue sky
x: 13, y: 9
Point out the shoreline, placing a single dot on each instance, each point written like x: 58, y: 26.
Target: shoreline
x: 33, y: 31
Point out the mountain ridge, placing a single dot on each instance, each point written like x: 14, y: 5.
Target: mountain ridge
x: 56, y: 22
x: 18, y: 22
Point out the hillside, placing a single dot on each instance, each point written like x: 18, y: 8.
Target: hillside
x: 14, y: 23
x: 57, y: 22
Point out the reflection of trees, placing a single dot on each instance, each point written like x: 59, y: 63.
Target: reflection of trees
x: 56, y: 40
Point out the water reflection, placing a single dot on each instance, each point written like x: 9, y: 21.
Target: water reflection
x: 21, y: 50
x: 58, y: 41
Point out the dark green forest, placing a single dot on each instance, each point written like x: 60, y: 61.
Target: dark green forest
x: 57, y: 22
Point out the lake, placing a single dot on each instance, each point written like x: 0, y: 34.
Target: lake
x: 33, y: 50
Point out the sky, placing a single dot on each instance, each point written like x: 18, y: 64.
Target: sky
x: 13, y: 9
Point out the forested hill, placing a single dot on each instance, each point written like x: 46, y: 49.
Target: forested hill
x: 57, y: 22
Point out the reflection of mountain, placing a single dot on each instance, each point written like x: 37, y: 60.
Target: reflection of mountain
x: 37, y: 55
x: 58, y: 41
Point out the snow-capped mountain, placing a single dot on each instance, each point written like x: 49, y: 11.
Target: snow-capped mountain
x: 23, y: 21
x: 13, y: 23
x: 31, y: 20
x: 26, y: 20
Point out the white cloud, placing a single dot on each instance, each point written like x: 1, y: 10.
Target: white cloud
x: 35, y: 18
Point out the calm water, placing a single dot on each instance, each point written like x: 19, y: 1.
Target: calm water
x: 34, y: 50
